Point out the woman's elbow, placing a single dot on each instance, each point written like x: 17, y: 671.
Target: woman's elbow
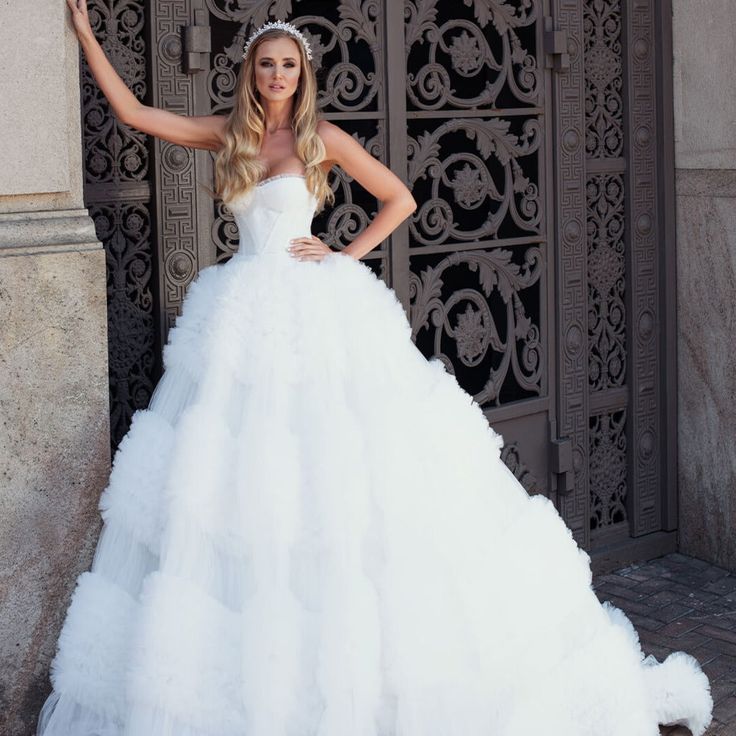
x: 408, y: 203
x: 130, y: 115
x: 401, y: 201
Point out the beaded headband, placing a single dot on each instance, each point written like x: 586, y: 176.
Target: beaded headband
x: 292, y: 30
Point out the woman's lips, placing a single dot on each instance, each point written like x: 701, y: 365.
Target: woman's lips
x: 276, y: 86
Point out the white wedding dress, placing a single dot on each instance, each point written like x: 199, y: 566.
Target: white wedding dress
x: 310, y: 532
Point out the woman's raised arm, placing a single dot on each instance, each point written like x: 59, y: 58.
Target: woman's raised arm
x: 193, y: 131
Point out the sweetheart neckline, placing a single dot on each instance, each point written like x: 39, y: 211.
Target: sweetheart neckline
x: 279, y: 176
x: 251, y: 192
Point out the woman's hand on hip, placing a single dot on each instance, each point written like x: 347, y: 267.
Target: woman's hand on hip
x: 308, y: 248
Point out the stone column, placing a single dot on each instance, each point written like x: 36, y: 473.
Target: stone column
x: 704, y: 39
x: 54, y: 414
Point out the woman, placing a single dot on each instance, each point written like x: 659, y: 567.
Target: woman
x: 310, y: 531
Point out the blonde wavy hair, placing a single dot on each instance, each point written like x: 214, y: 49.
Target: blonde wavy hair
x: 237, y: 168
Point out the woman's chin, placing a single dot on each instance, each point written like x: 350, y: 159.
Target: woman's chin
x: 275, y: 95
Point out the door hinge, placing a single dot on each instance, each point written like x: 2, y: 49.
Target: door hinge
x: 555, y: 46
x: 197, y: 44
x: 560, y: 462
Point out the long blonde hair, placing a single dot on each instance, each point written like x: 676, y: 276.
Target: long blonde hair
x: 236, y: 167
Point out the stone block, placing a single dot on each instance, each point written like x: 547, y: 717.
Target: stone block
x: 706, y: 314
x: 54, y: 457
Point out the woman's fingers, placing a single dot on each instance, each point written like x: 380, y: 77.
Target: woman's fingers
x: 309, y: 255
x: 308, y: 249
x: 307, y: 246
x: 80, y: 19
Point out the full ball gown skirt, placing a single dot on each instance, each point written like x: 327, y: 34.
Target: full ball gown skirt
x: 310, y: 532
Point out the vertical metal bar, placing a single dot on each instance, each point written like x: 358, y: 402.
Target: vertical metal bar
x: 668, y: 251
x: 568, y: 92
x: 204, y: 209
x: 176, y: 232
x: 643, y: 296
x: 549, y: 301
x: 571, y: 257
x: 396, y: 133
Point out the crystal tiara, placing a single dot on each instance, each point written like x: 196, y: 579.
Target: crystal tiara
x: 291, y: 29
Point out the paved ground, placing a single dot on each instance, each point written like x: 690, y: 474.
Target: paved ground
x: 680, y: 603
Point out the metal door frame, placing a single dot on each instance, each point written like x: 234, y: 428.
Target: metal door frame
x: 651, y: 328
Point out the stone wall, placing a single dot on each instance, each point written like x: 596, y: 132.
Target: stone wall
x: 54, y: 418
x: 704, y: 38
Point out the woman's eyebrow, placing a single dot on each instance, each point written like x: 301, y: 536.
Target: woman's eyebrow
x: 270, y: 58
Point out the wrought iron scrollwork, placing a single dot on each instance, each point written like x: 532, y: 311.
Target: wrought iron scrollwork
x: 118, y: 197
x: 606, y: 202
x: 476, y: 241
x: 494, y: 339
x: 606, y: 282
x: 491, y: 51
x: 490, y: 182
x: 124, y: 228
x: 511, y: 455
x: 603, y: 78
x: 608, y: 480
x: 113, y: 151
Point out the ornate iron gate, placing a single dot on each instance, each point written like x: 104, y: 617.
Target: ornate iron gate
x: 528, y: 132
x: 461, y: 119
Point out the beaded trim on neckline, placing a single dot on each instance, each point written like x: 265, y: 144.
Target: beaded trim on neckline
x: 279, y: 176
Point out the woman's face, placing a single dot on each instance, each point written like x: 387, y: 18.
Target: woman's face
x: 277, y: 68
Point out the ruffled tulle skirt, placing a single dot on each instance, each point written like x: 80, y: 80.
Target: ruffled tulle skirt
x: 310, y: 532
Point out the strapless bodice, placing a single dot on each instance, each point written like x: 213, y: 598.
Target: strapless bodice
x: 277, y: 209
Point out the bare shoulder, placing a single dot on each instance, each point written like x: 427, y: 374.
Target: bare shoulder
x: 334, y: 138
x: 328, y: 131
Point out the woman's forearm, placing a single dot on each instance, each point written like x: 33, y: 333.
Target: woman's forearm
x: 390, y: 216
x: 121, y: 99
